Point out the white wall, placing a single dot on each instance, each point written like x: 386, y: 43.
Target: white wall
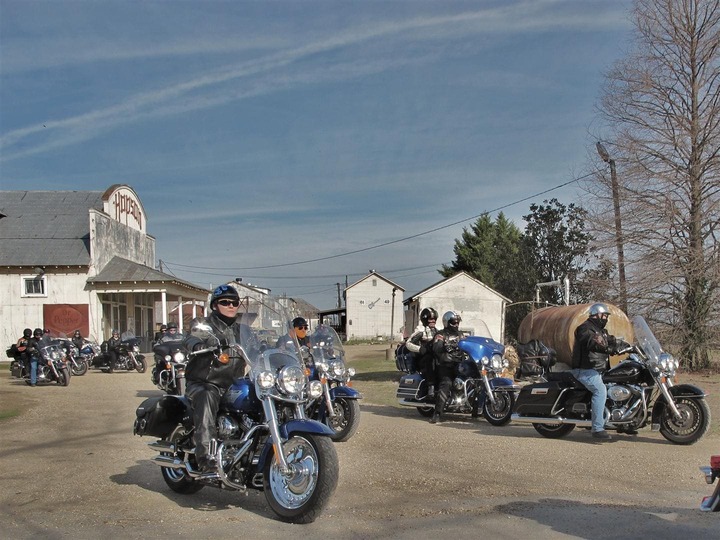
x: 369, y: 308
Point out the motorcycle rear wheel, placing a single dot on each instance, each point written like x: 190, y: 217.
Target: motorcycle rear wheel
x: 554, y: 431
x: 691, y: 427
x: 346, y: 421
x: 426, y: 411
x: 500, y: 413
x: 177, y: 479
x: 301, y: 497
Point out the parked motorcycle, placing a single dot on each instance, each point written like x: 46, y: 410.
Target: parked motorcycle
x: 128, y: 356
x: 264, y: 439
x: 640, y: 391
x: 89, y: 351
x: 168, y: 374
x: 712, y: 502
x: 338, y: 407
x: 77, y: 364
x: 478, y: 385
x: 52, y: 367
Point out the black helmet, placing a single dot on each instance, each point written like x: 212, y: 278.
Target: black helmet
x: 163, y: 327
x: 298, y: 322
x: 77, y: 333
x: 172, y: 325
x: 223, y: 291
x: 427, y: 314
x: 451, y: 318
x: 38, y: 332
x: 27, y: 333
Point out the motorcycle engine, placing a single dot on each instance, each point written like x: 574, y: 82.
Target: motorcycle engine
x: 616, y: 392
x: 227, y: 427
x: 459, y: 384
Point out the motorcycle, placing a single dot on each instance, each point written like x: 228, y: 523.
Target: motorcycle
x: 338, y: 407
x: 51, y: 368
x: 711, y: 503
x: 478, y: 384
x: 169, y: 371
x: 128, y: 356
x: 77, y: 364
x: 264, y: 439
x: 640, y: 391
x: 89, y: 351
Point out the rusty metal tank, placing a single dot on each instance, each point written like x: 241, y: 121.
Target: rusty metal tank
x: 555, y: 327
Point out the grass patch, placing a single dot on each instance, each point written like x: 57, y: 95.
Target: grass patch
x: 376, y: 377
x: 12, y: 401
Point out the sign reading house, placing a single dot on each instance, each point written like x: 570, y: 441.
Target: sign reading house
x: 122, y: 204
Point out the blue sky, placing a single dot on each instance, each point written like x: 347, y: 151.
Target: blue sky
x: 260, y: 135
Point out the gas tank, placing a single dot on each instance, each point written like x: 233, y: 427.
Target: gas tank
x: 555, y: 327
x: 628, y: 371
x: 241, y: 397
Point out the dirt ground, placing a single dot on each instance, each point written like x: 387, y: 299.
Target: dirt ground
x: 71, y: 468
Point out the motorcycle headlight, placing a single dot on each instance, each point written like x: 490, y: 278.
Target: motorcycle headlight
x: 265, y: 380
x: 351, y: 371
x: 136, y: 348
x: 496, y: 362
x: 337, y: 368
x: 179, y: 356
x: 291, y: 380
x: 322, y: 366
x: 167, y: 357
x: 485, y: 361
x: 316, y: 389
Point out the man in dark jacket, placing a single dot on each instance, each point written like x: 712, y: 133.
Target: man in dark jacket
x: 209, y: 375
x: 421, y: 343
x: 299, y: 330
x: 590, y: 359
x: 447, y: 358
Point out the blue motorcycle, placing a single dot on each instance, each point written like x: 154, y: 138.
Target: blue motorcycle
x: 338, y: 407
x: 478, y: 385
x: 264, y: 439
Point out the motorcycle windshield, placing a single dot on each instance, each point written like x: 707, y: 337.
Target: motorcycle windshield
x: 646, y: 340
x: 325, y: 344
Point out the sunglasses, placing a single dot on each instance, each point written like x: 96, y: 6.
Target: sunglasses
x: 233, y: 303
x: 302, y: 327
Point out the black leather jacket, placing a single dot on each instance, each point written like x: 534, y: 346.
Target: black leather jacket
x: 592, y: 348
x: 207, y: 367
x: 445, y: 347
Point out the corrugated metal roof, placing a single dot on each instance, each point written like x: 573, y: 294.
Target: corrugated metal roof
x: 46, y: 227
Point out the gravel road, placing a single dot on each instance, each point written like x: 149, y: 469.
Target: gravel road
x: 71, y: 468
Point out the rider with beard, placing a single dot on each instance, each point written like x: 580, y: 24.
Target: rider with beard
x: 447, y: 356
x: 209, y: 376
x: 421, y: 343
x: 590, y: 359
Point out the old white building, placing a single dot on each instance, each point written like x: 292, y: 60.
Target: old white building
x: 374, y: 308
x: 82, y: 260
x: 478, y: 305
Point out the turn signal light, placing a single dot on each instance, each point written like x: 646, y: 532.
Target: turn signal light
x: 224, y: 358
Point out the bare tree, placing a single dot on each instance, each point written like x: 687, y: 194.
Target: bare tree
x: 662, y: 104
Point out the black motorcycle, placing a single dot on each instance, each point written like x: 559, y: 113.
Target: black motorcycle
x: 128, y: 356
x: 478, y: 386
x: 76, y: 362
x: 51, y: 369
x: 640, y: 391
x: 169, y: 371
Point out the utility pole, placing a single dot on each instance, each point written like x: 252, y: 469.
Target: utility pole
x: 618, y: 224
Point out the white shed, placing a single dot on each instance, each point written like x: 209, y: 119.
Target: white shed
x: 475, y: 301
x: 374, y: 307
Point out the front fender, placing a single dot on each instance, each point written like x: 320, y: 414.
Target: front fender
x: 677, y: 391
x: 287, y: 430
x: 346, y: 392
x: 503, y: 383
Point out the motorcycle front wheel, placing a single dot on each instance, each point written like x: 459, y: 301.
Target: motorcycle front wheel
x: 80, y: 367
x: 141, y: 365
x: 346, y: 420
x: 63, y: 377
x: 554, y: 431
x: 693, y: 423
x: 299, y: 497
x: 499, y: 414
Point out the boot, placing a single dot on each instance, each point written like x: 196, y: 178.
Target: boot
x: 435, y: 418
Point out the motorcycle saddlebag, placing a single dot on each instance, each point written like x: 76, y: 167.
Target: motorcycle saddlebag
x: 409, y: 386
x: 16, y: 369
x: 404, y: 360
x: 158, y: 416
x: 538, y: 399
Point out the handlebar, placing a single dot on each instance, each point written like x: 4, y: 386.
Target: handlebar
x: 202, y: 351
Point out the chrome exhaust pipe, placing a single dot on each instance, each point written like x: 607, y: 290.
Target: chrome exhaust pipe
x: 554, y: 420
x: 169, y: 462
x: 407, y: 403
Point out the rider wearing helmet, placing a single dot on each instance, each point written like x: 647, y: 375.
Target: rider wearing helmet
x: 590, y: 359
x: 78, y: 340
x: 420, y: 343
x: 299, y: 330
x: 447, y: 356
x: 210, y: 374
x: 27, y: 354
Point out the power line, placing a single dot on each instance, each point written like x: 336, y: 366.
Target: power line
x: 391, y: 242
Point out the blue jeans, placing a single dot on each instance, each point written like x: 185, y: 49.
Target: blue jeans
x: 592, y: 380
x: 33, y: 370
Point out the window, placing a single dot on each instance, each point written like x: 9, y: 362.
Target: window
x: 374, y: 282
x: 33, y: 286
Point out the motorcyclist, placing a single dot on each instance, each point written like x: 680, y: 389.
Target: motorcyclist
x: 110, y: 348
x: 590, y: 359
x: 33, y: 354
x: 209, y: 375
x: 78, y: 340
x: 24, y: 355
x: 160, y: 333
x: 299, y: 330
x: 170, y: 336
x: 447, y: 357
x: 421, y: 343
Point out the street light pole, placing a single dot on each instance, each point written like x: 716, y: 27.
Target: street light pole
x: 618, y: 224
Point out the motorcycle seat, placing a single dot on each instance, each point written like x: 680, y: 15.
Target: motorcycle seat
x: 564, y: 377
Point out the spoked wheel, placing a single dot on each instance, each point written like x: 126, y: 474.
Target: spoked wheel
x: 177, y: 479
x: 300, y: 496
x: 499, y: 414
x: 554, y: 431
x: 693, y: 423
x: 346, y: 420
